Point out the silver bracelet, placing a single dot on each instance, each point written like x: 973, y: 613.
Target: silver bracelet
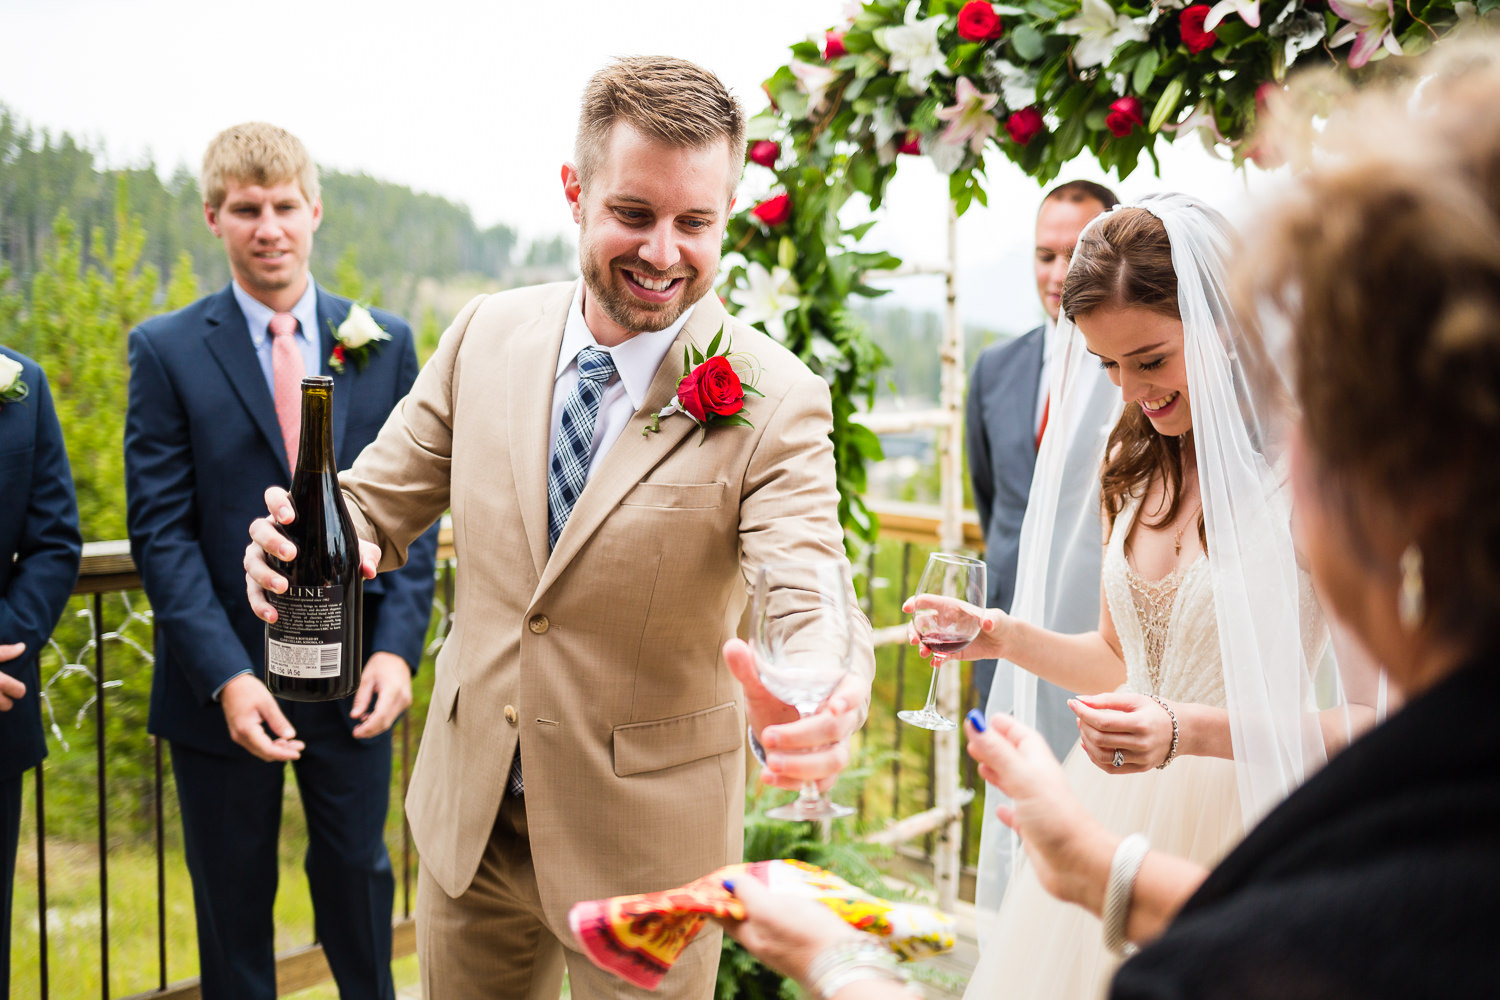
x: 1122, y: 872
x: 849, y: 960
x: 1172, y: 751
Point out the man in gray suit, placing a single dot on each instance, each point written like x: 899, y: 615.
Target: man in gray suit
x: 1007, y: 413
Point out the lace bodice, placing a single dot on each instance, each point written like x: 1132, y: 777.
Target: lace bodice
x: 1167, y: 628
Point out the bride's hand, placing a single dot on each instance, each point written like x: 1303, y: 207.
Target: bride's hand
x: 1131, y: 723
x: 994, y: 626
x: 1065, y: 844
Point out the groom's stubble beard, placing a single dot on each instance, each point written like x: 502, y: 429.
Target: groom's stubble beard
x: 605, y: 283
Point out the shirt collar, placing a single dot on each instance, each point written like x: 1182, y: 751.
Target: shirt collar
x: 258, y: 314
x: 637, y: 359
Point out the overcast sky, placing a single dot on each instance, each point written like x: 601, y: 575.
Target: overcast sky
x: 477, y: 102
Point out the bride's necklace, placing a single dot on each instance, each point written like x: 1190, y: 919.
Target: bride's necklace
x: 1177, y: 538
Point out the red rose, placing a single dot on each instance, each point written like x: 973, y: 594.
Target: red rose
x: 774, y: 211
x: 911, y: 145
x: 1025, y: 125
x: 833, y: 45
x: 1193, y: 35
x: 712, y: 387
x: 764, y: 152
x: 978, y: 22
x: 338, y: 352
x: 1124, y: 115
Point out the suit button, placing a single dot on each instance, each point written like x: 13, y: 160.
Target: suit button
x: 539, y: 624
x: 510, y: 714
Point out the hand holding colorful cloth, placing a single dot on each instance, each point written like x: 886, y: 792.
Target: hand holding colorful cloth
x: 638, y: 938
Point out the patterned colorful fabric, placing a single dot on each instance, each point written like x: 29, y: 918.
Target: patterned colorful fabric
x: 638, y: 938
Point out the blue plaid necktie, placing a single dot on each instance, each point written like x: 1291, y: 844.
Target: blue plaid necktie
x: 569, y: 468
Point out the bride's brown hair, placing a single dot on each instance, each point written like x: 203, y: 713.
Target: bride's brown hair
x: 1126, y: 261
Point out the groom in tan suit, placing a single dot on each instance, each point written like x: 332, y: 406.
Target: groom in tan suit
x: 585, y: 736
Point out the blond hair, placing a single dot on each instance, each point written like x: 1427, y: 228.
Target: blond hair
x: 256, y: 153
x: 670, y: 100
x: 1384, y: 263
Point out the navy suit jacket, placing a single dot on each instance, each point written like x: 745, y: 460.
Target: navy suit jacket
x: 39, y: 552
x: 201, y: 446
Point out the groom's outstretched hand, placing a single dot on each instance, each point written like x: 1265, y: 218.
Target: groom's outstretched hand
x: 797, y: 750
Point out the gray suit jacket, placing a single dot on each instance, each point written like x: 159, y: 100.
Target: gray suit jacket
x: 1000, y: 433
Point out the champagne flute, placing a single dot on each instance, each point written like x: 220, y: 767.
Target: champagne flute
x: 800, y: 635
x: 948, y: 610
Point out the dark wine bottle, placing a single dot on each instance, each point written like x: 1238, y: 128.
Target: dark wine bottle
x: 313, y: 647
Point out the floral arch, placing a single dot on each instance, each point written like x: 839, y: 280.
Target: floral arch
x: 1037, y: 83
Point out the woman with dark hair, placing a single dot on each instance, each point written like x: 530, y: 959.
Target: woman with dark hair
x: 1377, y: 877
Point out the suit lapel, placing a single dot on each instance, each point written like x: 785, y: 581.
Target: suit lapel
x: 635, y: 454
x: 228, y: 340
x: 332, y: 311
x: 531, y: 364
x: 1022, y: 396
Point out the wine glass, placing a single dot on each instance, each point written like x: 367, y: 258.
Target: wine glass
x: 800, y: 635
x: 948, y: 609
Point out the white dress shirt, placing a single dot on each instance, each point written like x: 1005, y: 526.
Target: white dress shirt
x: 636, y: 363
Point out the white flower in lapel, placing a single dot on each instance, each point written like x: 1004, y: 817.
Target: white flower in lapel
x: 12, y: 389
x: 355, y: 337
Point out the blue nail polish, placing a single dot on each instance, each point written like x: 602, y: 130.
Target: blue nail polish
x: 976, y: 719
x: 729, y: 884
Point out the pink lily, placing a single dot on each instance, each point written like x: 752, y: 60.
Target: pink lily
x: 1248, y: 10
x: 1371, y: 21
x: 969, y: 118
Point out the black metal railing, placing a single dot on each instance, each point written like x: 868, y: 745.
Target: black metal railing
x: 107, y: 570
x: 904, y: 782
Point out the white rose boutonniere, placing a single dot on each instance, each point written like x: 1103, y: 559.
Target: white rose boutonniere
x: 357, y: 336
x: 12, y: 389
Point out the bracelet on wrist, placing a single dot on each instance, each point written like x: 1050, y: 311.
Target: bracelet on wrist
x: 849, y: 960
x: 1123, y: 869
x: 1172, y: 750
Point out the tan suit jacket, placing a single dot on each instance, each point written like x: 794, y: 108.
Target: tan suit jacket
x: 601, y: 660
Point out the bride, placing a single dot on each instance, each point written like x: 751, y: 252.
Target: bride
x: 1209, y: 638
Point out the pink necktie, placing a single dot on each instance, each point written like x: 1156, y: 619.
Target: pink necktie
x: 287, y: 369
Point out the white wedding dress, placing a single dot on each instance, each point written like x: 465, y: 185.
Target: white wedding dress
x: 1039, y: 948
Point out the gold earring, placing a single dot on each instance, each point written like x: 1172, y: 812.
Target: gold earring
x: 1411, y: 603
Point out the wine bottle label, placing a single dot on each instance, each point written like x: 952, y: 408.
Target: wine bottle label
x: 307, y: 637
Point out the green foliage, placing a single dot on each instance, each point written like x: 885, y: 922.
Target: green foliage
x: 403, y: 236
x: 349, y: 282
x: 182, y: 285
x: 840, y: 125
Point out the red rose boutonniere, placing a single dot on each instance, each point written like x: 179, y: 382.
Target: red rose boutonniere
x: 356, y: 338
x: 12, y: 388
x: 712, y: 389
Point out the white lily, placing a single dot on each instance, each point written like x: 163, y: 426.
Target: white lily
x: 914, y: 48
x: 1248, y: 10
x: 814, y: 81
x: 767, y: 298
x: 969, y: 119
x: 1371, y: 21
x: 1100, y: 32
